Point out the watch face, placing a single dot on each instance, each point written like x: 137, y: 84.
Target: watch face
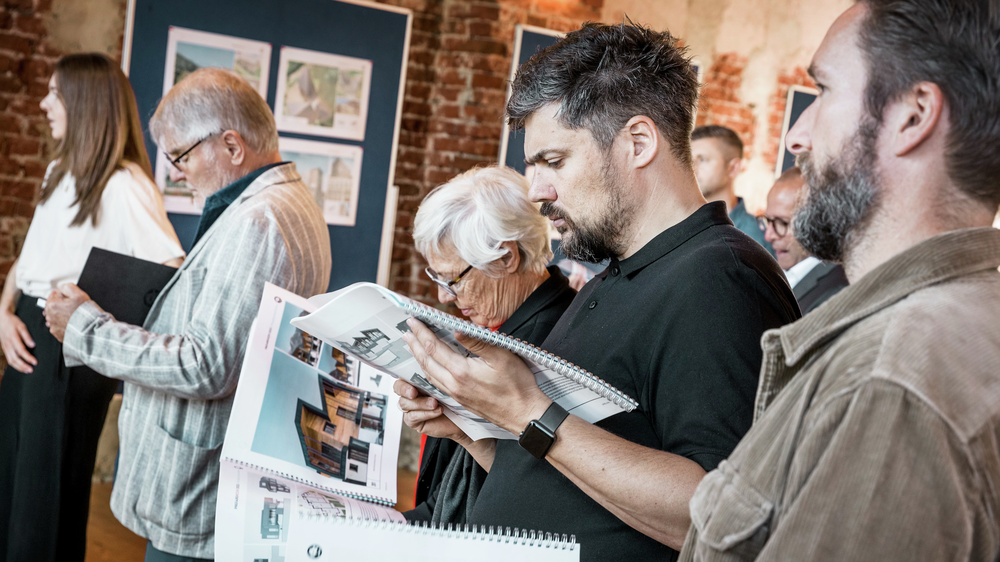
x: 536, y: 439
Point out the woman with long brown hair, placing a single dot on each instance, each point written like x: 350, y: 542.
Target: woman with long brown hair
x: 97, y: 193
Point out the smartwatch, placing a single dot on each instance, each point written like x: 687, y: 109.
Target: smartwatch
x: 538, y: 437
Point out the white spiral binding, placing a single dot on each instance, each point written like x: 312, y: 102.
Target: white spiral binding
x: 523, y: 537
x: 362, y: 497
x: 526, y: 350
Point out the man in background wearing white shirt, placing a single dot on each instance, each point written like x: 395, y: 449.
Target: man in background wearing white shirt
x: 813, y: 281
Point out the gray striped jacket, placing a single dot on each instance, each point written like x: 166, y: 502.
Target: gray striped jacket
x: 182, y: 366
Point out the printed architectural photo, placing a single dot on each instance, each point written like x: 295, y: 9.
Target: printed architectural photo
x: 272, y: 485
x: 376, y: 347
x: 300, y: 345
x: 322, y: 504
x: 338, y: 365
x: 322, y: 94
x: 311, y: 93
x: 272, y: 520
x: 335, y: 439
x: 331, y: 172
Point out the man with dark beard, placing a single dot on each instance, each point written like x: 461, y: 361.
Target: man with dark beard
x: 877, y: 423
x: 674, y: 321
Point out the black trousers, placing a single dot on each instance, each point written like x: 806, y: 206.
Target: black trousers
x: 50, y: 421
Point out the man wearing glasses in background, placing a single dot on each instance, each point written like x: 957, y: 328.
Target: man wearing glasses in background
x: 812, y: 280
x: 260, y: 224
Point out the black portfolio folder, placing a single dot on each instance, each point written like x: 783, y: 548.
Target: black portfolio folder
x: 122, y: 285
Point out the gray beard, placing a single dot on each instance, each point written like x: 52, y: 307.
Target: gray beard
x: 840, y: 198
x: 602, y: 240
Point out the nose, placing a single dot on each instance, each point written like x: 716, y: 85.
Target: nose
x: 769, y: 235
x: 799, y: 138
x: 444, y: 297
x: 541, y: 190
x: 176, y: 175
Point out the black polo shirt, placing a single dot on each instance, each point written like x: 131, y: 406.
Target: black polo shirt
x: 677, y: 326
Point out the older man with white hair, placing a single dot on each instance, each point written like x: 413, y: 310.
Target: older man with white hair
x: 260, y: 224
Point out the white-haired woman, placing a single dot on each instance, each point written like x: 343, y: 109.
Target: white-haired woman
x: 487, y: 247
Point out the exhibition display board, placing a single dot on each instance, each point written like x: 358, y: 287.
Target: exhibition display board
x: 527, y: 41
x: 333, y: 71
x: 799, y: 98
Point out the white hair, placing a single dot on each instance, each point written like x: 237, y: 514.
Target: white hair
x: 212, y: 100
x: 476, y: 212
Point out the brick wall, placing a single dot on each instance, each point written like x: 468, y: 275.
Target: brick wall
x: 776, y: 109
x: 25, y: 64
x: 452, y: 121
x: 720, y: 102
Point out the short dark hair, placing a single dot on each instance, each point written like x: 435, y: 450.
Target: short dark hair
x: 952, y: 43
x: 724, y: 134
x: 604, y: 75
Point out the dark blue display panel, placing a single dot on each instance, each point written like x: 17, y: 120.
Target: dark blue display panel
x: 327, y: 26
x: 800, y: 101
x: 531, y: 42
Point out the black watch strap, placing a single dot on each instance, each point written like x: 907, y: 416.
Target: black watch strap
x: 540, y: 434
x: 553, y: 417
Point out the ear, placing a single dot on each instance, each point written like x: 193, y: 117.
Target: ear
x: 235, y: 148
x: 914, y: 117
x: 512, y: 261
x: 643, y: 140
x: 734, y: 167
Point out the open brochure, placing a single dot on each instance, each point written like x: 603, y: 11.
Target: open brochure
x: 267, y: 518
x: 260, y: 514
x: 306, y: 414
x: 368, y: 321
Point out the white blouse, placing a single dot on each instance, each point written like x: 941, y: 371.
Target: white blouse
x: 132, y: 221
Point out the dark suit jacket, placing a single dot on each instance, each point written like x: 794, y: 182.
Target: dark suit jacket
x: 824, y: 281
x: 530, y: 323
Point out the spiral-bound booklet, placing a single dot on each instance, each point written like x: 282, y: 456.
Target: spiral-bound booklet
x: 368, y: 321
x: 264, y: 517
x: 321, y: 538
x: 304, y: 412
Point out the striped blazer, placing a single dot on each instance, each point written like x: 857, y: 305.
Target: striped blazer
x: 182, y: 366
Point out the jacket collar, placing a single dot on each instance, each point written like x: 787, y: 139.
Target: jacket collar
x: 940, y: 258
x: 283, y: 173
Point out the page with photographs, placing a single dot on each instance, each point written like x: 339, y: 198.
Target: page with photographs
x: 309, y: 412
x: 257, y: 510
x: 368, y: 321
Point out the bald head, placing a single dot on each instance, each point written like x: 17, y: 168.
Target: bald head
x: 212, y: 100
x: 781, y: 203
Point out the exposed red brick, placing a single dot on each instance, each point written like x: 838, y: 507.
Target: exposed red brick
x: 455, y: 93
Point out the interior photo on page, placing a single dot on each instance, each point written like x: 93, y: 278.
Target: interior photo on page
x: 307, y: 410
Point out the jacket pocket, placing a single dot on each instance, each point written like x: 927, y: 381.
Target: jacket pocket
x: 730, y: 516
x: 178, y: 494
